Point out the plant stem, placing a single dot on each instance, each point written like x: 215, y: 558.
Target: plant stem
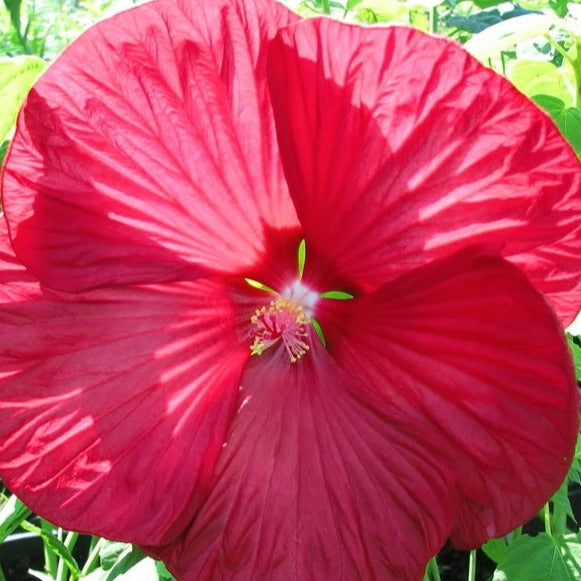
x: 50, y: 559
x: 433, y: 20
x: 93, y: 557
x: 547, y: 519
x: 62, y: 569
x: 472, y: 565
x: 326, y: 7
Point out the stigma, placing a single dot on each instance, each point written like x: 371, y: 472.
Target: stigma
x: 284, y: 321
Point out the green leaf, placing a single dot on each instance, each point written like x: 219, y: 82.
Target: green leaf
x: 125, y: 562
x: 337, y: 295
x: 55, y: 546
x: 12, y: 515
x: 495, y: 549
x: 14, y: 7
x: 17, y: 75
x: 540, y: 558
x: 575, y: 347
x: 162, y: 571
x: 542, y: 78
x: 567, y: 119
x: 351, y: 4
x: 111, y: 552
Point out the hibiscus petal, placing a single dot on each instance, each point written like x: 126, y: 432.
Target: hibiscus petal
x: 316, y: 482
x: 114, y: 404
x: 469, y: 346
x: 159, y: 160
x: 400, y: 148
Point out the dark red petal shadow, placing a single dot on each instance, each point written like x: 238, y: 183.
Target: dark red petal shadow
x: 158, y: 160
x: 114, y: 404
x: 400, y: 148
x: 317, y: 481
x: 470, y: 347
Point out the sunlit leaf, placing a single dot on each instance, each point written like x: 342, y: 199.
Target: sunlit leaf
x: 17, y: 75
x: 542, y: 78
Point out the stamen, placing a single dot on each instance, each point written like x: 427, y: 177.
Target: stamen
x: 282, y: 320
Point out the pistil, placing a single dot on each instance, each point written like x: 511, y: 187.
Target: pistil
x: 284, y: 321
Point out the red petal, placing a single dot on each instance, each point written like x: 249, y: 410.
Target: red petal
x: 114, y: 407
x: 400, y: 149
x: 157, y: 161
x: 469, y: 347
x: 316, y: 482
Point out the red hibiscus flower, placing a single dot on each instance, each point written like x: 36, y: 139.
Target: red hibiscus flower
x: 149, y: 393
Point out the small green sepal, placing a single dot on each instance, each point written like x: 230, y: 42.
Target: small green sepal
x: 255, y: 284
x: 337, y: 295
x: 319, y: 331
x: 301, y: 257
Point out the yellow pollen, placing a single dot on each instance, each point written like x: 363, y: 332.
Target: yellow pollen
x: 282, y: 320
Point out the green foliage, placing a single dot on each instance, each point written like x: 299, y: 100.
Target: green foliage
x: 575, y: 347
x: 12, y: 513
x: 16, y: 77
x: 541, y: 558
x: 567, y: 119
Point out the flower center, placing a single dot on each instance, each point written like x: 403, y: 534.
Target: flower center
x: 282, y: 320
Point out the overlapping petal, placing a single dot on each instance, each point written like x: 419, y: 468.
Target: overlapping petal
x: 400, y: 148
x: 470, y: 347
x: 418, y: 423
x: 316, y: 481
x: 115, y: 403
x: 147, y: 152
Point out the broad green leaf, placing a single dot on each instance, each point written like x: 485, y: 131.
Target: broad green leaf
x: 55, y: 546
x: 12, y: 514
x: 567, y: 119
x: 569, y: 122
x: 17, y: 75
x: 540, y: 558
x: 495, y: 549
x: 542, y: 78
